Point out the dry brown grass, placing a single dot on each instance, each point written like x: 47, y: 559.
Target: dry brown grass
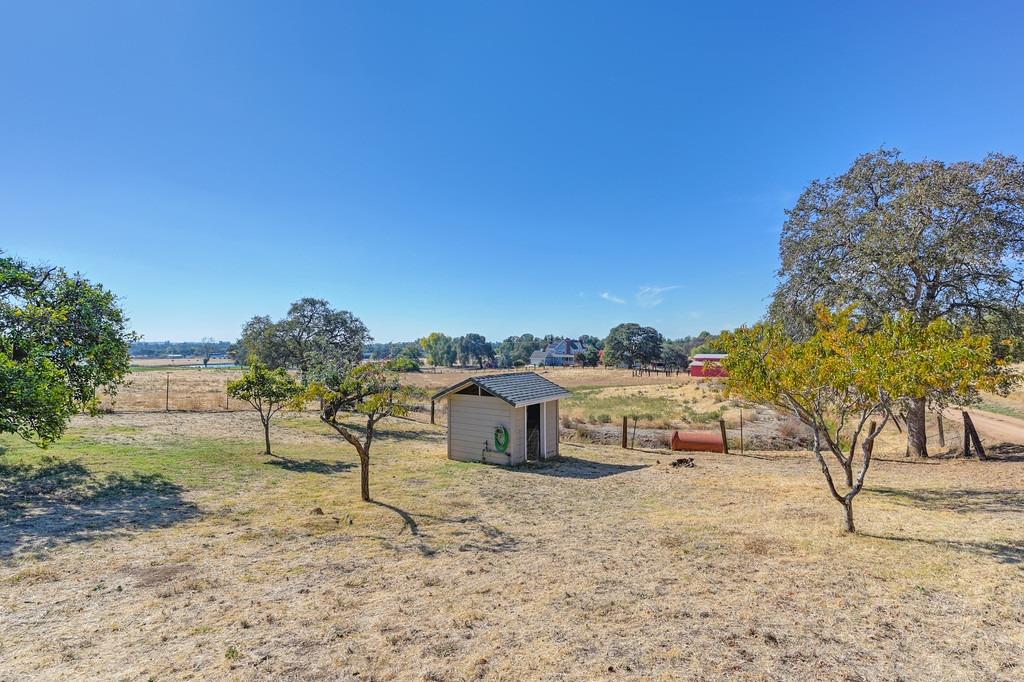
x: 180, y: 389
x: 605, y: 565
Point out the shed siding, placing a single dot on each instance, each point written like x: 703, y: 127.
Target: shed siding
x: 471, y: 423
x: 551, y: 428
x: 518, y: 445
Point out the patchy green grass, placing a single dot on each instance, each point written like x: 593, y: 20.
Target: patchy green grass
x: 655, y: 405
x: 200, y: 463
x: 1004, y: 407
x: 593, y: 403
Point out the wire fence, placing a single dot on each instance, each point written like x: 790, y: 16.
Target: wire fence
x: 175, y: 392
x: 203, y: 391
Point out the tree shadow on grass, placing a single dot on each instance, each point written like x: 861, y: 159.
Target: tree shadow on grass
x: 931, y: 461
x: 407, y: 519
x: 1011, y: 552
x: 1004, y: 452
x: 310, y: 466
x: 58, y: 502
x: 961, y: 500
x: 573, y: 467
x: 420, y: 432
x: 478, y: 536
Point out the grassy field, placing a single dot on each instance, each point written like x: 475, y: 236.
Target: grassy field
x: 165, y: 546
x: 662, y: 405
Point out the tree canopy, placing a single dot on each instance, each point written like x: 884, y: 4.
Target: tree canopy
x: 313, y: 338
x: 889, y: 235
x: 473, y: 349
x: 630, y: 344
x: 62, y: 340
x: 515, y: 351
x: 439, y: 349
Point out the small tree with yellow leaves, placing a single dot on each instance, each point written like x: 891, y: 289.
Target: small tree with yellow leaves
x: 371, y: 391
x: 846, y: 383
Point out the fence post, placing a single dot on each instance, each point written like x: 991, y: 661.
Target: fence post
x: 741, y: 430
x: 431, y: 411
x: 967, y: 436
x: 625, y: 431
x: 942, y: 430
x: 869, y: 447
x: 970, y: 431
x: 725, y: 443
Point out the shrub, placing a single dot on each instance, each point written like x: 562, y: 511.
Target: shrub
x: 403, y: 364
x: 792, y: 428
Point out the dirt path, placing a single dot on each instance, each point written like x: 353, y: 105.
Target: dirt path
x: 993, y: 427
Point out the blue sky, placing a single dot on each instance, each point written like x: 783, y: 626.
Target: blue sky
x: 467, y: 166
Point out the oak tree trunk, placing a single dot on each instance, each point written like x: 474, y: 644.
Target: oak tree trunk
x: 917, y: 432
x: 848, y: 507
x: 266, y: 436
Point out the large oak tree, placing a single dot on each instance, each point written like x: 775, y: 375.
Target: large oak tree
x: 312, y: 338
x: 630, y: 344
x: 933, y: 239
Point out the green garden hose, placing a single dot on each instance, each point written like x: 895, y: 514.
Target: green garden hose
x: 500, y: 438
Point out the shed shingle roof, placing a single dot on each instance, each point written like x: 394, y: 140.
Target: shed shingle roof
x: 519, y: 388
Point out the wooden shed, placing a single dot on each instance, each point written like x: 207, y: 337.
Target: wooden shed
x: 503, y: 418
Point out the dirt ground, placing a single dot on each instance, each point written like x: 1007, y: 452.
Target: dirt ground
x: 185, y: 554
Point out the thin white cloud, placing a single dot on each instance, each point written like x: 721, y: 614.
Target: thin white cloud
x: 611, y: 297
x: 648, y: 297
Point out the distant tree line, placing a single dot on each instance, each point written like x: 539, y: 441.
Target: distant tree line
x: 192, y: 349
x: 313, y: 335
x: 626, y: 345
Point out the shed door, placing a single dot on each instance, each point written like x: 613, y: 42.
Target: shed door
x: 533, y: 432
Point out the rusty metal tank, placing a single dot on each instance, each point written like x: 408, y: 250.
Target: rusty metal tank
x: 698, y: 441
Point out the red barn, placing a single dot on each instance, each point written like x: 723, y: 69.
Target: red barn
x: 708, y: 365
